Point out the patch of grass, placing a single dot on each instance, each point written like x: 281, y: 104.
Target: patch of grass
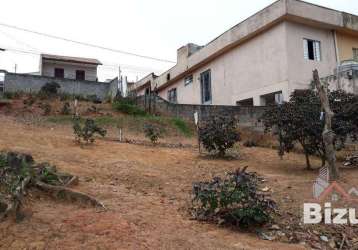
x: 107, y: 120
x: 182, y: 126
x: 13, y: 95
x: 60, y: 119
x: 128, y: 107
x: 133, y: 122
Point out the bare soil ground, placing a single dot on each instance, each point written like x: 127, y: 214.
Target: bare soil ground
x: 146, y: 190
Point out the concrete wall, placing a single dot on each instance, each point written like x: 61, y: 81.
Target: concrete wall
x: 48, y: 69
x: 270, y: 62
x: 248, y: 116
x: 32, y: 83
x: 300, y: 69
x: 345, y: 44
x: 251, y: 69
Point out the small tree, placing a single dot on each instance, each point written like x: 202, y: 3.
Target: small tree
x: 87, y: 131
x: 301, y: 121
x: 218, y: 134
x: 153, y: 132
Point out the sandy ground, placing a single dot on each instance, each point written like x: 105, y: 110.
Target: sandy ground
x: 145, y: 189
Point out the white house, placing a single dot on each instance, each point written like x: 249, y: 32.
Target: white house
x: 69, y: 67
x: 262, y: 59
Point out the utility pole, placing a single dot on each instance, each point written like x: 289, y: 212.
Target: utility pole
x: 15, y: 67
x: 120, y: 80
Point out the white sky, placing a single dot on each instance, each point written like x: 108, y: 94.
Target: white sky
x: 154, y: 28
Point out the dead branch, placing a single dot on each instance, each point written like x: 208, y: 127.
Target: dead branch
x: 16, y: 166
x: 73, y: 181
x: 64, y: 193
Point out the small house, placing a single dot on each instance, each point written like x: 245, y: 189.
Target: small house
x: 77, y: 68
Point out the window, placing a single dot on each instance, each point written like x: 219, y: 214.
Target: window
x: 279, y: 98
x: 172, y: 95
x: 80, y: 75
x: 205, y: 85
x: 147, y: 91
x: 355, y: 54
x: 188, y: 80
x: 312, y: 50
x: 2, y: 79
x: 59, y: 73
x: 168, y: 77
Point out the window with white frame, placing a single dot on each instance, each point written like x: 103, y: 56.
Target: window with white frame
x: 312, y: 49
x: 172, y: 95
x: 188, y: 80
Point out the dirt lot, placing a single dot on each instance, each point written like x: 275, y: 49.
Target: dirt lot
x: 146, y: 191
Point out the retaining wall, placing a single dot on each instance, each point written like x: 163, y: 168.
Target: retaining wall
x: 247, y: 116
x: 32, y: 83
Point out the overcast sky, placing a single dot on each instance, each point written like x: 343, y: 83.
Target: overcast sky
x: 154, y: 28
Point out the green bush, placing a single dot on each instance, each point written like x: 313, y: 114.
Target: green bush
x: 49, y: 90
x: 94, y: 98
x: 127, y: 107
x: 9, y: 95
x: 87, y: 131
x: 232, y: 200
x: 13, y: 95
x: 66, y: 109
x: 218, y: 134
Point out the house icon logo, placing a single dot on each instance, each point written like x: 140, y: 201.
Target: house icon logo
x: 334, y: 192
x: 323, y: 190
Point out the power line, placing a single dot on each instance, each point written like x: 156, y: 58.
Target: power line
x: 127, y: 67
x: 85, y: 43
x: 16, y: 40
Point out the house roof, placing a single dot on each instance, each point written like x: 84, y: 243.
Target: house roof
x: 70, y: 59
x: 281, y: 10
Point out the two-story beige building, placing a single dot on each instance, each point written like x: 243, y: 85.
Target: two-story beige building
x: 260, y: 60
